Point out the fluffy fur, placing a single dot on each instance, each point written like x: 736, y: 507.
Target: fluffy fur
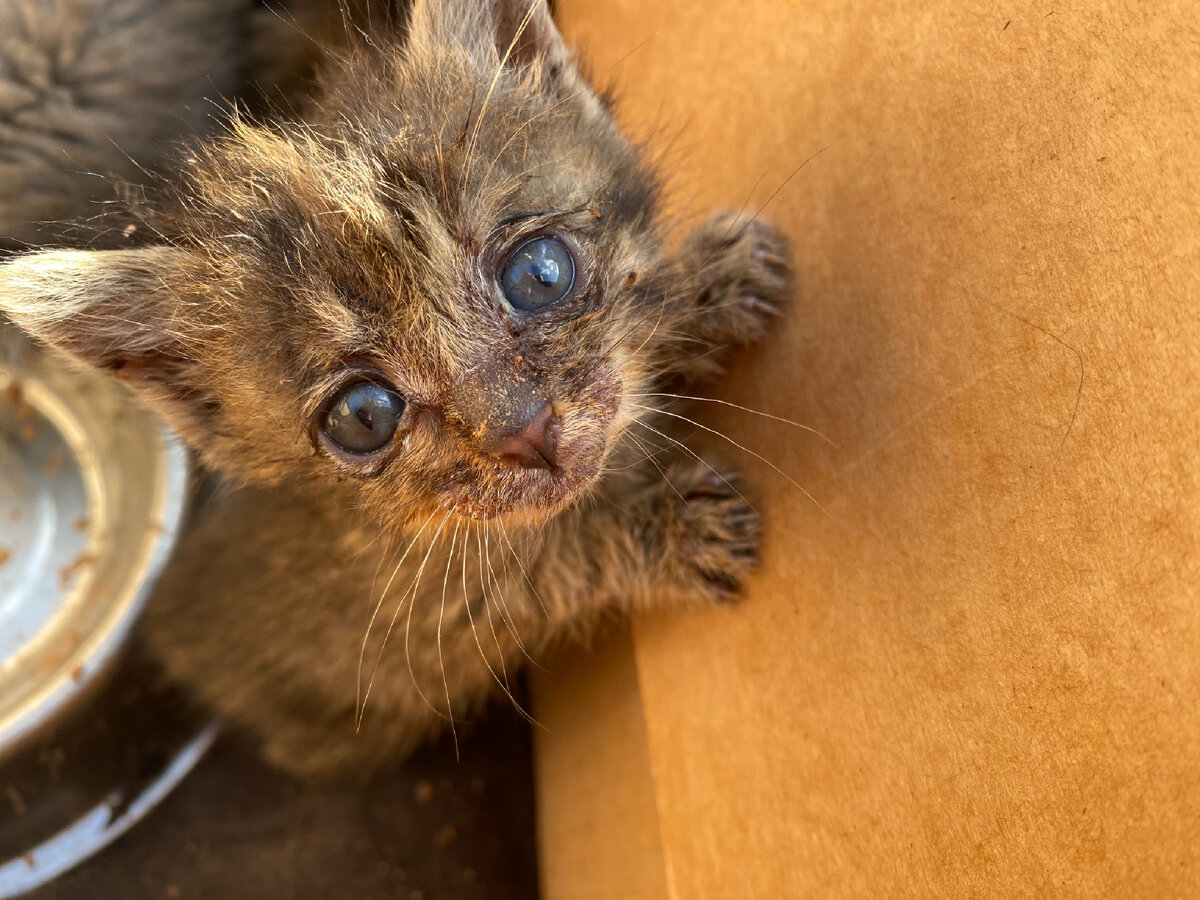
x: 368, y: 238
x: 92, y: 89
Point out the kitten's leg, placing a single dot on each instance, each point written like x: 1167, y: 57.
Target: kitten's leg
x: 735, y: 276
x: 684, y: 536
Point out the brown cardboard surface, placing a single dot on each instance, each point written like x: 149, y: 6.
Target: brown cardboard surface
x: 586, y: 693
x: 977, y: 672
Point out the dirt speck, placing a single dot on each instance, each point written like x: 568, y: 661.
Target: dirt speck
x: 17, y: 801
x: 60, y: 651
x: 173, y: 891
x: 445, y: 837
x: 424, y: 791
x: 83, y: 523
x: 53, y: 759
x: 5, y: 555
x: 53, y: 464
x: 12, y: 393
x: 69, y: 571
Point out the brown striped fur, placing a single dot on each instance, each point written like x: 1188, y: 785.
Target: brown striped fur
x: 286, y: 253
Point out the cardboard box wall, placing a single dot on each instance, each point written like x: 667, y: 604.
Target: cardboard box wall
x: 976, y: 673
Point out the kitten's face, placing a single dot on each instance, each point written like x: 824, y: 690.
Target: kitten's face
x: 431, y: 297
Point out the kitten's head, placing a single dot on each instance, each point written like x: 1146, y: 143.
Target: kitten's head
x: 431, y: 296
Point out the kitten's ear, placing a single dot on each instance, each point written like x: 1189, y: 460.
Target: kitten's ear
x: 521, y: 33
x: 114, y: 311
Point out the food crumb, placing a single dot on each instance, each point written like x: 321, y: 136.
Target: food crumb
x: 17, y: 801
x: 53, y: 758
x: 29, y: 860
x: 69, y: 571
x: 12, y: 393
x: 173, y: 891
x: 77, y: 673
x: 53, y: 464
x: 5, y: 555
x: 82, y: 523
x: 424, y: 791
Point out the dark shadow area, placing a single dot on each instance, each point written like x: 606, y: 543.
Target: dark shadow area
x: 433, y: 829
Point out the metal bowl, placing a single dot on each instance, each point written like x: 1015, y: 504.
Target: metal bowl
x: 92, y: 496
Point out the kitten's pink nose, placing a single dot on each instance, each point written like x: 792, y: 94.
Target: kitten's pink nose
x: 534, y: 445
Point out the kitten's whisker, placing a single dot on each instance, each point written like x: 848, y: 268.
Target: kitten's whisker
x: 504, y: 685
x: 408, y: 622
x: 641, y: 443
x: 502, y: 606
x: 741, y: 447
x: 661, y: 309
x: 487, y: 607
x: 756, y: 412
x: 475, y: 632
x: 524, y: 572
x: 396, y: 615
x: 661, y: 471
x: 493, y: 582
x: 441, y: 617
x: 746, y: 202
x: 775, y: 193
x: 696, y: 456
x: 360, y: 702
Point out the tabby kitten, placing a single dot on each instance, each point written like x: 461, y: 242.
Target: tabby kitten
x: 423, y: 333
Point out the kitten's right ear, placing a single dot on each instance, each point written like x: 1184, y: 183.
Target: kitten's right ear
x: 116, y: 311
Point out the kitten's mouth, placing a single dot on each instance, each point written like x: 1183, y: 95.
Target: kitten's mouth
x: 549, y: 466
x: 529, y: 495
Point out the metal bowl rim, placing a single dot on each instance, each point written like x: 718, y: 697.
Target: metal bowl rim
x: 99, y: 648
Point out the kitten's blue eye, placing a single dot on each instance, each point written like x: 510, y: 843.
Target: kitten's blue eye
x: 363, y: 418
x: 539, y: 272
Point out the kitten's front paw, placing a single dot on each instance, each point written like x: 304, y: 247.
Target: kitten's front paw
x: 743, y: 274
x: 716, y: 533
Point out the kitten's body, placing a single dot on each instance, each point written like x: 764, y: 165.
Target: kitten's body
x: 371, y: 239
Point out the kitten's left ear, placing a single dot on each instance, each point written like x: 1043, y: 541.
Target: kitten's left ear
x: 519, y: 33
x: 525, y: 31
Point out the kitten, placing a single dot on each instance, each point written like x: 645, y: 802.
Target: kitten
x: 424, y: 331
